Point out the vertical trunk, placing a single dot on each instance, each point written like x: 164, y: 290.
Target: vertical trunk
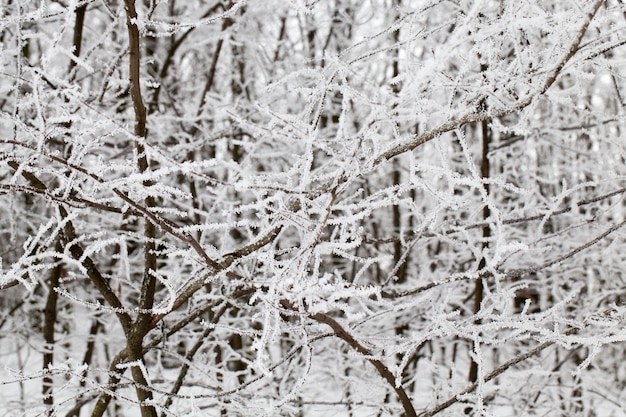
x: 142, y: 386
x: 400, y: 258
x: 50, y: 318
x: 146, y: 299
x: 77, y: 38
x: 396, y: 174
x: 50, y: 311
x: 486, y: 230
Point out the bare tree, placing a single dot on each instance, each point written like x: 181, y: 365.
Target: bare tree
x: 394, y: 207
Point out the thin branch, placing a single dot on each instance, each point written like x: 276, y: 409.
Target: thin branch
x: 167, y: 62
x: 511, y: 274
x: 516, y: 220
x: 101, y: 284
x: 167, y: 225
x: 190, y: 355
x: 419, y: 140
x: 383, y: 370
x: 71, y: 200
x: 559, y: 259
x: 491, y: 375
x: 77, y: 252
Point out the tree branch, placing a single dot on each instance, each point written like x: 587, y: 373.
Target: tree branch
x: 469, y: 118
x: 491, y: 375
x: 382, y: 369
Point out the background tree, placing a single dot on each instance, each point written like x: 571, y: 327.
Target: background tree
x: 393, y: 207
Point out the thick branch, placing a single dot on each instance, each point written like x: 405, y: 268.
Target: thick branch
x: 134, y: 72
x: 114, y: 378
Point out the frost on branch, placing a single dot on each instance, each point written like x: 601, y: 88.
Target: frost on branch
x: 312, y: 208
